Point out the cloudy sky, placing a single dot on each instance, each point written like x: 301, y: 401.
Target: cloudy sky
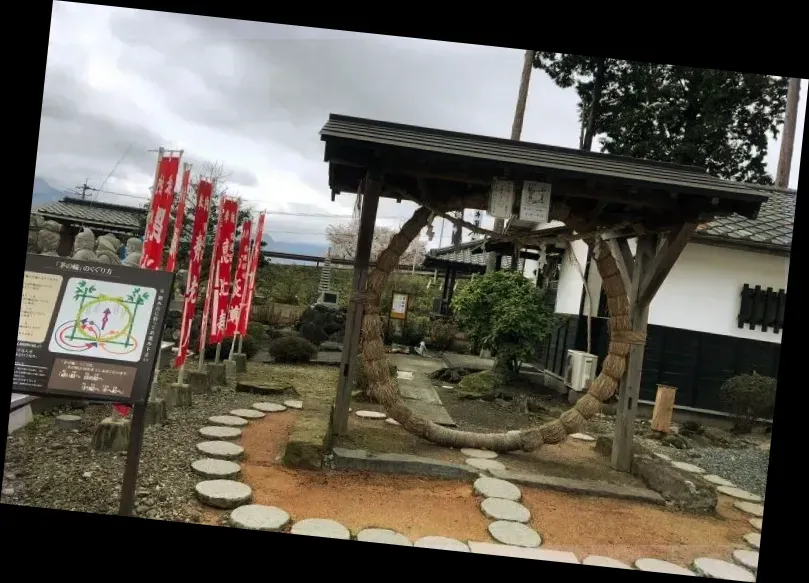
x: 120, y: 82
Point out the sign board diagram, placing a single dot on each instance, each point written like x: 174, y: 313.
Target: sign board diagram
x: 101, y: 319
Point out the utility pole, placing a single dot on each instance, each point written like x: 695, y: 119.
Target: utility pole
x: 516, y: 131
x: 788, y: 137
x: 83, y: 188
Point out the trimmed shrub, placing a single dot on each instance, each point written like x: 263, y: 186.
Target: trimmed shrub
x: 292, y: 349
x: 748, y: 398
x: 440, y: 334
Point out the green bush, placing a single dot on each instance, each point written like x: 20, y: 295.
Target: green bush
x: 748, y: 398
x: 292, y: 349
x: 441, y: 332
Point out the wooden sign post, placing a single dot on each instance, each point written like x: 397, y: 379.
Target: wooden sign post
x: 664, y: 408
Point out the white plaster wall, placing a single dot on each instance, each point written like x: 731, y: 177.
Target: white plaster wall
x: 530, y: 269
x: 701, y: 293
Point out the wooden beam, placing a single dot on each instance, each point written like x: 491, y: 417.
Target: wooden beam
x: 629, y: 390
x: 356, y: 305
x: 664, y: 261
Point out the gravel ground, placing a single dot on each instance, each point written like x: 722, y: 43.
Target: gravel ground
x: 52, y: 468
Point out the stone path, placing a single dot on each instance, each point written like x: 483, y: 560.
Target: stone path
x: 258, y: 517
x: 717, y: 569
x: 223, y: 450
x: 417, y: 389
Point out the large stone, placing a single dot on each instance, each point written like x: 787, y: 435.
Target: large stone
x: 217, y: 373
x: 220, y: 432
x: 199, y: 381
x: 686, y: 467
x: 441, y: 543
x: 753, y: 539
x: 224, y: 494
x: 484, y: 464
x: 681, y: 490
x: 753, y: 508
x: 658, y: 566
x: 179, y: 395
x: 223, y: 450
x: 259, y: 517
x: 294, y: 404
x: 384, y: 536
x: 264, y: 388
x: 478, y: 453
x: 599, y: 561
x: 716, y: 569
x: 247, y: 413
x: 719, y: 481
x: 514, y: 534
x: 227, y: 421
x: 215, y: 469
x: 67, y: 422
x: 399, y: 463
x: 536, y: 554
x: 370, y: 415
x: 738, y: 493
x: 502, y: 509
x: 746, y: 558
x: 495, y: 488
x: 756, y: 523
x: 321, y: 527
x: 269, y: 407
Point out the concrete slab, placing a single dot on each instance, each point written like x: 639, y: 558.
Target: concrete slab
x: 415, y: 390
x: 435, y: 413
x: 583, y: 487
x: 420, y: 364
x: 394, y: 463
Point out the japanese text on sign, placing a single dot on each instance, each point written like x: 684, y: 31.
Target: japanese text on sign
x: 398, y: 309
x: 40, y: 292
x: 535, y: 202
x: 501, y: 199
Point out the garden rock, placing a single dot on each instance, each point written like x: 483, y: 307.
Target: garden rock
x: 223, y: 450
x: 753, y: 539
x: 683, y: 491
x: 321, y: 527
x: 224, y: 494
x: 259, y: 517
x: 738, y: 493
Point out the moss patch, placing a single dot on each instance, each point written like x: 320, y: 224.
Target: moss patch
x: 481, y: 385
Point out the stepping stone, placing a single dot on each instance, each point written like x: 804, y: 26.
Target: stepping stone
x: 214, y: 469
x: 484, y: 464
x: 501, y: 509
x: 514, y: 534
x: 68, y: 422
x: 522, y: 552
x: 269, y: 407
x: 225, y: 494
x: 228, y: 421
x: 446, y: 386
x: 403, y: 374
x: 496, y: 488
x: 392, y: 421
x: 370, y: 415
x: 686, y: 467
x: 663, y: 456
x: 717, y: 569
x: 384, y: 536
x: 321, y: 527
x: 753, y: 508
x: 247, y: 413
x: 753, y: 539
x: 441, y: 543
x: 756, y: 523
x: 513, y: 432
x: 259, y: 517
x: 219, y: 432
x: 582, y: 437
x: 222, y: 450
x: 734, y: 492
x: 746, y: 558
x: 294, y: 404
x: 479, y: 453
x: 658, y: 566
x: 719, y: 481
x: 599, y: 561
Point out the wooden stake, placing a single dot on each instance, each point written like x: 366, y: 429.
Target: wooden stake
x: 664, y: 408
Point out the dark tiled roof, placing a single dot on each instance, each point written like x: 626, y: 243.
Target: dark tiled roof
x: 462, y: 255
x: 126, y: 218
x: 772, y: 228
x: 688, y: 179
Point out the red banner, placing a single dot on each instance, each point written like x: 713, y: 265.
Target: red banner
x: 159, y: 212
x: 252, y: 267
x: 196, y: 252
x: 224, y: 261
x: 239, y: 282
x: 171, y: 264
x: 206, y: 310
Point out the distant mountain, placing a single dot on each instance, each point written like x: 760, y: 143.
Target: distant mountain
x: 44, y: 192
x: 315, y: 249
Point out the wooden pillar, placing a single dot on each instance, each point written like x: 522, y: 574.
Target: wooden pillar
x: 450, y: 290
x: 356, y: 306
x: 664, y: 408
x: 445, y: 292
x: 629, y: 390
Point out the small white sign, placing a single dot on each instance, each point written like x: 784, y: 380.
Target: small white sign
x: 501, y: 199
x: 535, y: 202
x: 399, y: 308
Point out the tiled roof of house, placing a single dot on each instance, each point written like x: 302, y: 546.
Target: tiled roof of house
x: 463, y: 254
x: 773, y: 227
x: 101, y: 214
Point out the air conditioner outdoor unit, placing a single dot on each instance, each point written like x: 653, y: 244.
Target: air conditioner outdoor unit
x: 580, y: 369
